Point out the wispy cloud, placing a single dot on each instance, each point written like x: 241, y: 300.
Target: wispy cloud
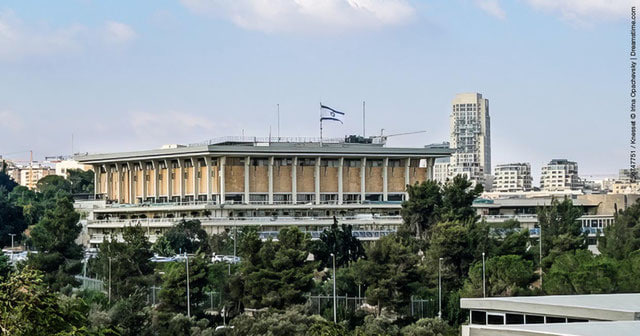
x: 18, y: 39
x: 118, y: 32
x: 584, y: 12
x: 178, y: 124
x: 307, y: 16
x: 492, y: 7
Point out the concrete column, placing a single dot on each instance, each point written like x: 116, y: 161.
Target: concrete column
x: 207, y: 163
x: 96, y: 180
x: 119, y: 181
x: 145, y: 191
x: 168, y: 165
x: 340, y: 184
x: 107, y: 182
x: 385, y: 180
x: 317, y: 180
x: 407, y: 179
x: 181, y: 185
x: 294, y: 181
x: 271, y: 159
x: 247, y: 172
x: 223, y: 162
x: 430, y: 162
x: 156, y: 173
x: 132, y: 192
x: 196, y: 180
x: 363, y: 178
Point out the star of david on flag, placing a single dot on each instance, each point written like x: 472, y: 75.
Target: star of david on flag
x: 328, y: 113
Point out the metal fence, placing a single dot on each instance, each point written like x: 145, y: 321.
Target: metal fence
x: 417, y: 307
x: 90, y: 283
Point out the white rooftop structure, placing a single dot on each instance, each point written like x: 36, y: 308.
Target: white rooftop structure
x: 624, y: 328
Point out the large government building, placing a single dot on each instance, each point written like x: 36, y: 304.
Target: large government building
x: 250, y: 181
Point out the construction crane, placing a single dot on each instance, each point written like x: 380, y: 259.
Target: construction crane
x: 30, y: 162
x: 383, y: 137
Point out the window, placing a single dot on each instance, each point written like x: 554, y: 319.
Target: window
x: 495, y: 319
x: 478, y: 317
x: 555, y: 319
x: 514, y: 318
x: 574, y: 320
x: 534, y: 319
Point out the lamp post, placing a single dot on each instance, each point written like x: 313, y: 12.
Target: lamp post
x: 540, y: 255
x: 12, y: 251
x: 484, y: 287
x: 335, y: 302
x: 188, y: 300
x: 109, y: 279
x: 440, y: 288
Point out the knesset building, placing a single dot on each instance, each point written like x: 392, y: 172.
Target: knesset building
x: 266, y: 182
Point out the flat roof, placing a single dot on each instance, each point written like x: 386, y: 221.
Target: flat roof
x: 608, y: 307
x: 527, y: 202
x: 276, y: 149
x: 618, y: 328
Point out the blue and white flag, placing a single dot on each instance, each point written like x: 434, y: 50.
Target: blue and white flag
x: 327, y: 113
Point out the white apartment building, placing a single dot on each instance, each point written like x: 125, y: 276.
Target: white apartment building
x: 30, y: 175
x: 560, y: 174
x: 441, y: 170
x: 63, y: 166
x: 470, y: 137
x: 512, y: 177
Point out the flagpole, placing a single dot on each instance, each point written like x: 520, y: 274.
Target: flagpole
x: 321, y: 124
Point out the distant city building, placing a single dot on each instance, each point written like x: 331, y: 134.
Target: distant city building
x: 624, y: 175
x: 441, y: 170
x: 560, y: 174
x: 63, y: 166
x: 470, y: 137
x: 621, y: 187
x: 31, y: 174
x: 511, y: 177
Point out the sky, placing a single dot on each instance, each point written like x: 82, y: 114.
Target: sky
x: 134, y: 75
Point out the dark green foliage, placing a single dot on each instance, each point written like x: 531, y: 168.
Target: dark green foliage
x: 449, y: 240
x: 561, y: 230
x: 623, y: 237
x: 506, y: 275
x: 5, y: 266
x: 50, y: 185
x: 173, y: 296
x: 429, y: 327
x: 340, y: 241
x: 292, y: 322
x: 6, y: 182
x: 222, y: 243
x: 187, y: 236
x: 275, y: 274
x: 131, y: 269
x: 457, y: 198
x: 31, y: 202
x: 580, y: 272
x: 130, y: 315
x: 54, y: 238
x: 422, y: 210
x: 389, y: 272
x: 81, y: 181
x: 11, y: 220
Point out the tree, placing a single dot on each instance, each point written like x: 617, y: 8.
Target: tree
x: 505, y: 276
x: 174, y: 288
x: 561, y: 230
x: 5, y: 266
x: 187, y: 236
x: 429, y: 327
x: 81, y: 181
x: 130, y: 315
x: 278, y: 275
x: 54, y: 237
x: 450, y: 241
x: 340, y: 241
x: 6, y: 181
x: 580, y: 272
x: 30, y: 202
x: 11, y: 220
x: 51, y: 184
x: 622, y: 238
x: 291, y: 322
x: 422, y: 210
x: 457, y: 197
x: 390, y: 271
x: 128, y: 262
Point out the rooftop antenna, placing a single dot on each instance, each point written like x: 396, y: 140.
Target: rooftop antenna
x: 363, y: 114
x: 278, y: 121
x: 71, y: 144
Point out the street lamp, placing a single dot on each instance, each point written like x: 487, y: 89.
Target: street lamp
x: 484, y: 287
x: 109, y: 280
x: 335, y: 302
x: 12, y: 251
x: 440, y: 287
x: 540, y: 255
x: 188, y: 300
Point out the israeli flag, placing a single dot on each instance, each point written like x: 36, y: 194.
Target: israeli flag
x: 327, y: 113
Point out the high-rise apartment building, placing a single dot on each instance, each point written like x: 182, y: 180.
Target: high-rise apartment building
x: 560, y: 174
x: 512, y: 177
x: 470, y: 137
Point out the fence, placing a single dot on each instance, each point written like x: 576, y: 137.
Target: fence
x: 91, y: 284
x: 419, y: 308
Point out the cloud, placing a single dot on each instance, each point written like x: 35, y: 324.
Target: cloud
x: 118, y: 33
x: 307, y: 16
x: 492, y: 7
x: 18, y: 40
x: 586, y: 11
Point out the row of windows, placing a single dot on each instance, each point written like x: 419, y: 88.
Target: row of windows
x: 484, y: 318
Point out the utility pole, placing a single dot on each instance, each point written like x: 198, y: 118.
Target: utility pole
x: 440, y: 288
x: 484, y: 287
x: 540, y: 255
x: 188, y: 300
x: 335, y: 299
x: 109, y: 280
